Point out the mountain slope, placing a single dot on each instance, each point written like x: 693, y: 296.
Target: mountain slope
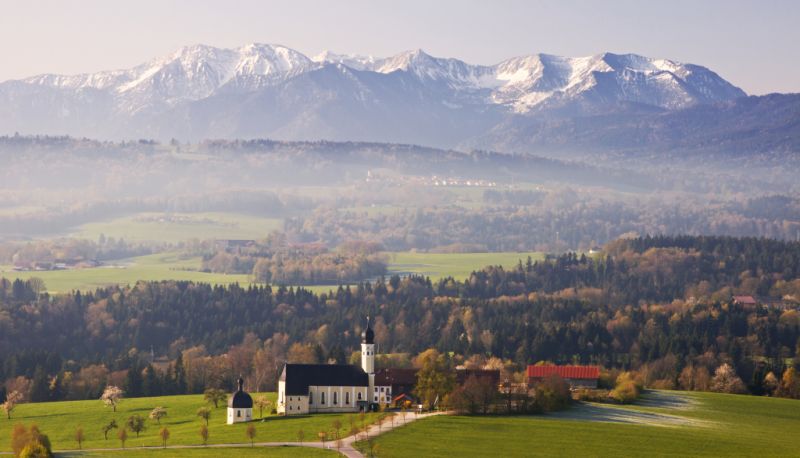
x: 262, y: 90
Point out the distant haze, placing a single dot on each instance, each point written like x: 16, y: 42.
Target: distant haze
x: 750, y: 44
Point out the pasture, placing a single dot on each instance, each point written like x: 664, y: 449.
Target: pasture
x: 713, y: 425
x: 456, y: 265
x: 174, y: 266
x: 59, y: 420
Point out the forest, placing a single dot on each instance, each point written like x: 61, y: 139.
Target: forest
x: 274, y: 261
x: 664, y: 303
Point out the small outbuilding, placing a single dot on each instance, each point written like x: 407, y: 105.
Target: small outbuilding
x: 240, y: 405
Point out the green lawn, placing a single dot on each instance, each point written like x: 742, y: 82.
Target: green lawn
x: 178, y: 227
x: 59, y: 421
x: 239, y: 452
x: 729, y: 425
x: 162, y: 266
x: 457, y: 265
x: 172, y: 266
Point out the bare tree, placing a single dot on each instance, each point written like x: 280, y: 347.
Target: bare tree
x: 107, y: 428
x: 112, y: 396
x: 123, y: 436
x: 164, y: 434
x: 204, y: 434
x: 251, y: 433
x: 301, y: 435
x: 79, y: 437
x: 204, y: 413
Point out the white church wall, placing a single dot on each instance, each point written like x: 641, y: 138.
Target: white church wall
x: 336, y: 398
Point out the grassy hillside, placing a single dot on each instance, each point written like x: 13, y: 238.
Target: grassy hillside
x: 161, y: 266
x: 59, y: 421
x: 457, y: 265
x: 171, y: 266
x: 715, y: 425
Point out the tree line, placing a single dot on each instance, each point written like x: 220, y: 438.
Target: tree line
x: 663, y: 303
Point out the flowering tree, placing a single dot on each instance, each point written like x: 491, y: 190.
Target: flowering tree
x: 12, y: 399
x: 112, y: 395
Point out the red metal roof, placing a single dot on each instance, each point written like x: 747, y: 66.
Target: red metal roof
x: 748, y: 300
x: 573, y: 372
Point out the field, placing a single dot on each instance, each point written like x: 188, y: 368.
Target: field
x: 179, y: 227
x: 707, y: 425
x: 457, y: 265
x: 59, y: 421
x: 239, y: 452
x: 161, y: 266
x: 172, y: 266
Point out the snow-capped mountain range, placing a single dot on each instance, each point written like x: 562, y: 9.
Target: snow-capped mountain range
x: 262, y: 90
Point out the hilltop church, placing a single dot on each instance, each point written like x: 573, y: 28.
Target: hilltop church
x: 314, y: 388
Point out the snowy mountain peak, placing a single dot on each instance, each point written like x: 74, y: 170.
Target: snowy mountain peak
x: 354, y: 61
x: 201, y: 78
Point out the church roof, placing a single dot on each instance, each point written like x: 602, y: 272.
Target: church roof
x: 240, y: 399
x: 298, y: 377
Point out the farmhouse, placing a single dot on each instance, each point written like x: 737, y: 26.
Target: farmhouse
x: 240, y: 405
x: 393, y: 386
x: 576, y: 376
x: 312, y: 388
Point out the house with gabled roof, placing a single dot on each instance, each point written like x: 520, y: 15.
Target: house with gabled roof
x: 576, y: 376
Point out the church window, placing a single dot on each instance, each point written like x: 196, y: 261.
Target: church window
x: 335, y: 398
x: 238, y: 413
x: 381, y: 389
x: 322, y: 398
x: 359, y: 395
x: 310, y: 398
x: 376, y: 389
x: 347, y: 398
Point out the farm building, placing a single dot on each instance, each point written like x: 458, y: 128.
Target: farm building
x: 576, y: 376
x: 395, y: 385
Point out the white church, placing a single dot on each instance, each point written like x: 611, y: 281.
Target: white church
x: 315, y: 388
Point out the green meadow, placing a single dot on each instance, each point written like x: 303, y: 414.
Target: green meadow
x: 456, y: 265
x: 715, y: 425
x: 173, y: 266
x: 160, y: 266
x: 60, y: 420
x: 239, y: 452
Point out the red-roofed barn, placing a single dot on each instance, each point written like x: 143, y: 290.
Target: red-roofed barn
x: 576, y: 376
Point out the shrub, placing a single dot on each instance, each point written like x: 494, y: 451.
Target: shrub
x: 626, y: 390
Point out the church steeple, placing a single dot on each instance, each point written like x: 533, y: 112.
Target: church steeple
x: 368, y: 336
x: 368, y: 349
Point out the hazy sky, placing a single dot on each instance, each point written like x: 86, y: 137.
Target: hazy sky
x: 753, y: 44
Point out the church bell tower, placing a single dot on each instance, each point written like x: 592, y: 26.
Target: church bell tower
x: 368, y: 359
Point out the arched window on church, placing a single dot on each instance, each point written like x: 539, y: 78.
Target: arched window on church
x: 347, y: 398
x: 322, y: 398
x: 359, y: 395
x: 335, y: 398
x: 310, y: 398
